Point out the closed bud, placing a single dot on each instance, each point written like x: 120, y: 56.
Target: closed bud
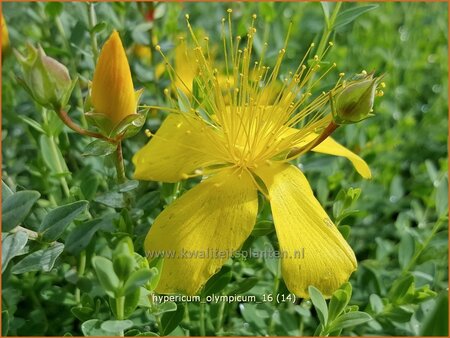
x: 112, y: 92
x: 46, y: 80
x: 123, y: 265
x: 355, y: 100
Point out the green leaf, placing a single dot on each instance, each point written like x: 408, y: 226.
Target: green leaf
x: 442, y: 198
x: 170, y: 320
x: 116, y: 325
x: 406, y: 250
x: 435, y: 322
x: 52, y: 156
x: 16, y: 208
x: 92, y: 327
x: 82, y: 313
x: 99, y: 148
x: 12, y: 245
x: 262, y: 228
x: 183, y: 102
x: 5, y: 323
x: 57, y: 220
x: 32, y: 123
x: 147, y: 334
x: 100, y: 27
x: 376, y: 303
x: 400, y: 314
x: 350, y: 319
x: 137, y: 279
x: 41, y: 260
x: 128, y: 186
x: 401, y: 288
x: 319, y: 304
x: 129, y: 126
x: 156, y: 266
x: 106, y: 275
x: 111, y: 199
x: 326, y: 8
x: 218, y: 282
x: 124, y: 265
x: 6, y: 191
x: 54, y: 9
x: 338, y: 302
x: 244, y: 286
x: 349, y: 15
x: 81, y: 236
x: 131, y: 302
x: 164, y: 307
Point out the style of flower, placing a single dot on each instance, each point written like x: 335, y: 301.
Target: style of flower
x: 242, y: 145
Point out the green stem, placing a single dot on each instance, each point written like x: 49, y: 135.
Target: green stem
x: 120, y: 304
x: 220, y: 317
x: 424, y: 245
x: 92, y: 21
x: 59, y: 165
x: 202, y: 319
x: 80, y: 273
x: 72, y: 65
x: 121, y: 178
x: 276, y: 285
x: 75, y: 127
x: 329, y: 26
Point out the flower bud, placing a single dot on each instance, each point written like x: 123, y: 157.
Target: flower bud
x: 112, y: 93
x: 5, y: 36
x: 46, y: 80
x: 355, y: 101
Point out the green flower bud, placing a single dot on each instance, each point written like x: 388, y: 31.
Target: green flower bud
x: 124, y: 265
x: 355, y: 101
x: 46, y: 80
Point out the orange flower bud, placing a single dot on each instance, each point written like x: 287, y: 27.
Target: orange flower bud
x: 112, y: 92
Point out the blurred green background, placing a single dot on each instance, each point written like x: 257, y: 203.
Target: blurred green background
x: 398, y: 225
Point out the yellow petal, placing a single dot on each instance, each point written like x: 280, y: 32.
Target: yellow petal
x: 212, y: 220
x: 185, y: 67
x: 330, y: 146
x: 312, y: 249
x: 112, y: 87
x: 5, y: 36
x: 181, y: 145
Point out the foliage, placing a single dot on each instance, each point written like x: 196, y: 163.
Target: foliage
x: 72, y: 256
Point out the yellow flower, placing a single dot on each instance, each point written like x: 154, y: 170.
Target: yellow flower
x: 5, y: 36
x: 241, y: 148
x: 112, y: 93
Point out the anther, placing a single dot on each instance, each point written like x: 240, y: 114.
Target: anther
x: 331, y: 43
x: 158, y: 48
x: 364, y: 72
x: 229, y: 10
x: 148, y: 133
x: 187, y: 16
x: 341, y: 74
